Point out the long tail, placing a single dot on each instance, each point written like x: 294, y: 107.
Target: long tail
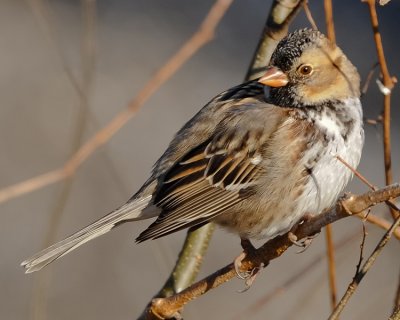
x: 129, y: 211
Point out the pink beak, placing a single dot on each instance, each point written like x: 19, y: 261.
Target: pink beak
x: 274, y: 77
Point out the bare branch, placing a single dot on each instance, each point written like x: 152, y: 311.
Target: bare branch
x: 330, y: 28
x: 166, y: 308
x: 363, y: 271
x: 256, y: 307
x: 329, y: 232
x: 380, y: 222
x: 388, y: 84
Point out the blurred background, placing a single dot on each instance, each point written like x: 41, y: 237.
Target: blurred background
x: 67, y: 67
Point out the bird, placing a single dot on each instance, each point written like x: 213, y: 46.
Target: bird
x: 257, y: 158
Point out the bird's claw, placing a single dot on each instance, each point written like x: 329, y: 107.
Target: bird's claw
x: 248, y: 276
x: 302, y: 243
x: 251, y: 277
x: 238, y: 263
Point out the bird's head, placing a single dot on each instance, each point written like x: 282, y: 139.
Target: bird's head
x: 306, y: 69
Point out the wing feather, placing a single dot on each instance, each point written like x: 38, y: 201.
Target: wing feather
x: 208, y: 180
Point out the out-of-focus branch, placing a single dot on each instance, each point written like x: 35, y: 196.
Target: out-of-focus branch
x: 330, y: 27
x: 203, y: 35
x: 40, y: 291
x: 166, y: 308
x: 280, y: 16
x: 396, y: 314
x: 189, y: 261
x: 309, y: 15
x: 328, y: 231
x: 330, y: 252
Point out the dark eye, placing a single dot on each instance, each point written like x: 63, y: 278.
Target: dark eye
x: 305, y: 69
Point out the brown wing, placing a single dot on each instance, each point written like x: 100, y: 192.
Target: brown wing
x: 208, y: 180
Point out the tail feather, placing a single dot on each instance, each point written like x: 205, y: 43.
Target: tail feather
x: 129, y: 211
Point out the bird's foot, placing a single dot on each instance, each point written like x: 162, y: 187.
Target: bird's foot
x: 302, y: 243
x: 251, y: 277
x: 248, y: 276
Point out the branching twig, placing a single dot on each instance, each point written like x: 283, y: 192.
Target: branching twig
x: 166, y: 308
x: 256, y: 307
x: 380, y: 222
x: 388, y: 84
x: 391, y: 204
x: 363, y: 271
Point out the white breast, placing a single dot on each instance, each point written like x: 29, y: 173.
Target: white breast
x: 329, y: 175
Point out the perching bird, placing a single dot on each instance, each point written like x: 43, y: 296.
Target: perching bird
x: 252, y: 160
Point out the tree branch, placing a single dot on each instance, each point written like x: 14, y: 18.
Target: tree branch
x: 165, y: 308
x: 388, y: 84
x: 363, y: 271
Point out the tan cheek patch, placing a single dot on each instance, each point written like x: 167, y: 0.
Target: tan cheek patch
x: 329, y: 82
x: 335, y: 87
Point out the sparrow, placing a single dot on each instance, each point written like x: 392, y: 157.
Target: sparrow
x: 257, y: 158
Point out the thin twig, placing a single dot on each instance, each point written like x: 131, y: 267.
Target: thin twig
x: 203, y: 35
x: 361, y: 273
x: 309, y: 15
x: 380, y: 222
x: 330, y: 28
x: 329, y: 228
x: 389, y: 84
x: 391, y: 204
x: 362, y: 245
x: 330, y: 251
x: 368, y: 79
x: 166, y: 308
